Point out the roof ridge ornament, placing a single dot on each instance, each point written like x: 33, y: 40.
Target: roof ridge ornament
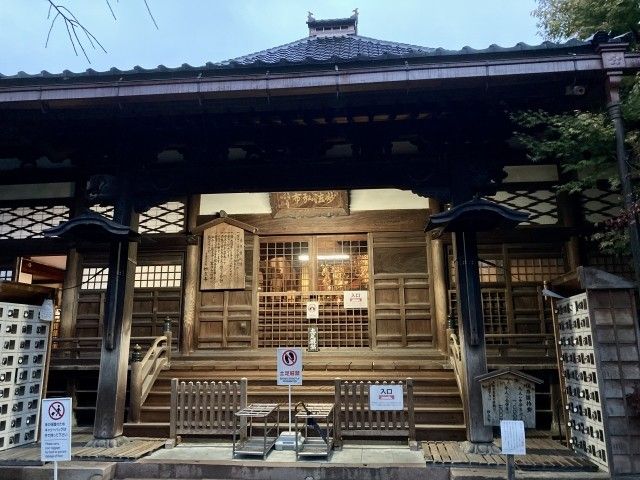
x: 335, y: 27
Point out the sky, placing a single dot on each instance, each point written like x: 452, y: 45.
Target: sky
x: 200, y: 31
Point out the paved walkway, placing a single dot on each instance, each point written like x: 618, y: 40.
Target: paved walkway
x: 350, y: 454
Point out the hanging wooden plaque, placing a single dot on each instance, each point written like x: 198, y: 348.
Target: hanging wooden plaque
x: 222, y: 258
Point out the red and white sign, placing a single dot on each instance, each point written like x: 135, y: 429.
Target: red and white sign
x: 289, y: 366
x: 386, y: 397
x: 55, y: 430
x: 356, y: 299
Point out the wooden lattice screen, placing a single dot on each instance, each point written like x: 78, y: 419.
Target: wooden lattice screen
x: 282, y: 321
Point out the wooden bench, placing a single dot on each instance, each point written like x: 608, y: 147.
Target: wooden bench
x: 204, y: 408
x: 353, y: 418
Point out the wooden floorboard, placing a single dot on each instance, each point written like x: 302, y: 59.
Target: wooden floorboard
x: 26, y: 455
x: 542, y: 454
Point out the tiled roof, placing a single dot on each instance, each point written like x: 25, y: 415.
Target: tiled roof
x: 322, y: 49
x: 309, y: 51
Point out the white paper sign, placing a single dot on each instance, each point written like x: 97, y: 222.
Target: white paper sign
x: 55, y: 430
x: 386, y: 397
x: 313, y: 310
x: 46, y: 312
x: 289, y: 366
x: 355, y: 299
x: 512, y: 435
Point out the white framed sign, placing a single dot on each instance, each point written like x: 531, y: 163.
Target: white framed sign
x: 313, y: 310
x: 356, y: 299
x: 512, y: 436
x: 386, y: 397
x: 289, y: 366
x: 55, y: 436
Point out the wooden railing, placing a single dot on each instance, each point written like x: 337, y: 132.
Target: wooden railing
x: 456, y: 360
x: 71, y: 349
x: 145, y: 371
x: 506, y: 348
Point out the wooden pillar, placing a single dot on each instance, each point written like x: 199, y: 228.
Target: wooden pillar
x: 191, y: 277
x: 472, y: 342
x: 70, y: 294
x: 73, y: 274
x: 439, y: 286
x: 114, y: 356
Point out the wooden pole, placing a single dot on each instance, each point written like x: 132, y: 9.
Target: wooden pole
x: 114, y: 355
x: 472, y: 342
x: 70, y: 294
x: 438, y: 283
x: 191, y: 277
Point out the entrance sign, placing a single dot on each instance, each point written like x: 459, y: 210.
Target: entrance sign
x: 356, y: 299
x: 222, y: 258
x: 512, y: 435
x: 386, y: 397
x: 55, y: 430
x: 289, y: 366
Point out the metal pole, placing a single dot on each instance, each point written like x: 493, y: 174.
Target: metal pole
x: 55, y: 470
x: 289, y: 408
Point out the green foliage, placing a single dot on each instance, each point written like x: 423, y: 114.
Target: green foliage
x: 580, y: 142
x: 559, y: 19
x: 583, y: 145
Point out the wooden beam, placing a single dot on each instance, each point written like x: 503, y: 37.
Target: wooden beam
x: 366, y: 221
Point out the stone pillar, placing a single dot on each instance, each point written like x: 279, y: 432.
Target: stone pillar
x: 191, y: 277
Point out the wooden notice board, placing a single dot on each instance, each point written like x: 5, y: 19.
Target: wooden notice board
x: 222, y: 258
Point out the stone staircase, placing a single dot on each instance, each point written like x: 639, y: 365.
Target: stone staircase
x: 438, y: 406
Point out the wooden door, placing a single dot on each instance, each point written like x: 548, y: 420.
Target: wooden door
x: 226, y: 317
x: 401, y: 298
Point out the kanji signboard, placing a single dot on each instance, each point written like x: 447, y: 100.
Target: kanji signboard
x: 289, y: 366
x: 55, y: 430
x: 385, y: 397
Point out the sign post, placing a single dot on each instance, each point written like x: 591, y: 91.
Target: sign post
x: 55, y: 436
x: 513, y: 443
x: 289, y: 373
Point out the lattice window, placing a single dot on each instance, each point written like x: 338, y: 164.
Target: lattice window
x: 491, y: 270
x: 617, y: 264
x: 158, y: 276
x: 342, y: 264
x: 541, y: 205
x: 536, y: 269
x: 284, y: 266
x: 6, y: 274
x: 94, y: 278
x: 146, y: 276
x: 29, y: 222
x: 600, y: 205
x: 282, y: 321
x: 494, y: 312
x: 165, y: 218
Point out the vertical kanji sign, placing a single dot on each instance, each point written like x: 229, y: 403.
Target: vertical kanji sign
x: 55, y: 432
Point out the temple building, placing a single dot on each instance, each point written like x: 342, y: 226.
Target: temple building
x: 318, y: 165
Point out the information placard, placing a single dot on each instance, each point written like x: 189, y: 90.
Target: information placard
x: 55, y: 430
x: 512, y: 435
x: 386, y: 397
x: 356, y: 299
x: 289, y: 366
